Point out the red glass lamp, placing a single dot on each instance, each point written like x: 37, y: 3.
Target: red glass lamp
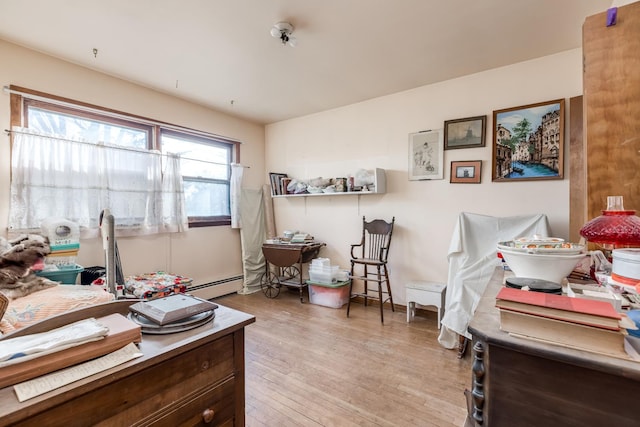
x: 615, y: 228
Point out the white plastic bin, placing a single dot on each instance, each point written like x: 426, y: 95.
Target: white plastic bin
x: 333, y: 295
x: 323, y: 274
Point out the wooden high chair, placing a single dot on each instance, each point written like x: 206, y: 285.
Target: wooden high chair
x: 372, y: 252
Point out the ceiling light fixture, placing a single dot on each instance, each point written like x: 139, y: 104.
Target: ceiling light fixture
x: 284, y: 31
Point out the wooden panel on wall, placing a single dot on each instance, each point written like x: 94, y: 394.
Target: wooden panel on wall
x: 612, y: 102
x: 577, y: 171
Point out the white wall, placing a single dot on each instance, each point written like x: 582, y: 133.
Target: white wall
x: 374, y: 133
x: 205, y: 254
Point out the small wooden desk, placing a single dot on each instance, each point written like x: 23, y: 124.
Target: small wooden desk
x: 518, y: 382
x: 194, y: 377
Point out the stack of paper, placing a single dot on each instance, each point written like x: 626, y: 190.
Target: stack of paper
x: 33, y: 355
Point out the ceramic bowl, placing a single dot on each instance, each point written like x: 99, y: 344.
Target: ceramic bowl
x: 330, y: 189
x: 552, y: 267
x: 563, y: 248
x: 314, y: 190
x: 538, y: 242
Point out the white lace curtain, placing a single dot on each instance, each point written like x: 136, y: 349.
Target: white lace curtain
x: 54, y: 177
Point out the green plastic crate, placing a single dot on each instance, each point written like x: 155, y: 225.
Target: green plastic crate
x: 66, y: 276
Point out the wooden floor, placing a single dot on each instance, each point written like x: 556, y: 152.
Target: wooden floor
x: 309, y: 365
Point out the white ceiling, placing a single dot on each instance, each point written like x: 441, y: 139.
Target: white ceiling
x: 219, y: 53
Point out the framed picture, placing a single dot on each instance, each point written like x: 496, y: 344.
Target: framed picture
x: 465, y: 133
x: 468, y: 172
x: 426, y: 155
x: 528, y: 142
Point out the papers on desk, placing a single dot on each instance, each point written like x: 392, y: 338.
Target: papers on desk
x: 21, y: 349
x: 120, y: 332
x: 37, y: 386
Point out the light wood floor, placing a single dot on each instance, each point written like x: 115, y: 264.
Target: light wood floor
x: 309, y: 365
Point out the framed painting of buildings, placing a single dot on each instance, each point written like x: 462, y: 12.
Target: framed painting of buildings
x: 528, y: 142
x: 426, y: 155
x: 465, y: 133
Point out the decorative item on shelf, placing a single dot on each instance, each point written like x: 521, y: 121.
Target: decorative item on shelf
x: 615, y: 228
x: 341, y: 185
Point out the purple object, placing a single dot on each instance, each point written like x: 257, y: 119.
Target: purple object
x: 612, y: 15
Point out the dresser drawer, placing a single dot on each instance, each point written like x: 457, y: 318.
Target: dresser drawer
x: 154, y: 390
x: 215, y: 406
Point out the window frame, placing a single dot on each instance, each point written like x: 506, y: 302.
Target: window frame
x: 22, y: 99
x: 207, y: 221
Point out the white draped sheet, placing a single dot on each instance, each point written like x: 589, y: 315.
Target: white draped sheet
x: 472, y: 259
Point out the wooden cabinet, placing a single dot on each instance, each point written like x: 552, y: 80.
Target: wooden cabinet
x: 612, y: 109
x: 520, y: 382
x: 189, y: 378
x: 380, y: 184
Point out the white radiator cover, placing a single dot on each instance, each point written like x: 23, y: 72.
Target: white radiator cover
x: 218, y: 288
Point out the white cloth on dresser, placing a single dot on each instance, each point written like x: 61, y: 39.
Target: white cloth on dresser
x: 472, y: 259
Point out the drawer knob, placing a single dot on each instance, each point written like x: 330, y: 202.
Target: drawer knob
x: 207, y: 415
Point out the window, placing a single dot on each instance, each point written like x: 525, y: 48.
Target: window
x: 205, y: 160
x: 70, y: 124
x: 206, y: 174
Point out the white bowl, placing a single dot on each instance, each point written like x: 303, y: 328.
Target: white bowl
x: 563, y: 248
x: 330, y: 189
x: 538, y: 242
x: 551, y: 267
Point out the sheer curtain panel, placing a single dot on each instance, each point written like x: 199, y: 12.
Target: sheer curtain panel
x: 237, y: 172
x: 76, y: 180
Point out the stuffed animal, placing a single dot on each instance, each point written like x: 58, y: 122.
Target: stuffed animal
x: 19, y: 259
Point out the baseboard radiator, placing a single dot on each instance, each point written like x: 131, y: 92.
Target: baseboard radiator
x: 217, y: 288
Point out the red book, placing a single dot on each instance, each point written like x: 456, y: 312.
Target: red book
x: 560, y: 307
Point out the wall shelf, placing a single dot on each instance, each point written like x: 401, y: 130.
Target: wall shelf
x: 380, y: 183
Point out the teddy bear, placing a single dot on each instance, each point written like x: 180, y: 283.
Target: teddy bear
x: 19, y: 259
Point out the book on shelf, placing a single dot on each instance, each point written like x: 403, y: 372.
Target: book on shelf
x: 565, y: 334
x: 284, y: 183
x: 594, y: 313
x: 276, y: 183
x: 122, y: 331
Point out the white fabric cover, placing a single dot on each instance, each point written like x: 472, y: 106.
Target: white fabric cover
x: 472, y: 259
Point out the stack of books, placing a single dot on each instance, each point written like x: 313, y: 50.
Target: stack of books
x: 570, y: 322
x: 279, y: 183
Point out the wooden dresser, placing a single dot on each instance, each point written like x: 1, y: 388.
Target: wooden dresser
x: 189, y: 378
x: 518, y: 382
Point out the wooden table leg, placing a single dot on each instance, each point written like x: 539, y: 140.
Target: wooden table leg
x: 462, y: 345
